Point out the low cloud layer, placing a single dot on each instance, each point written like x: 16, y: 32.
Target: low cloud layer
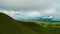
x: 31, y: 8
x: 52, y: 12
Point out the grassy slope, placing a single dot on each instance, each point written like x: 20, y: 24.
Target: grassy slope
x: 40, y: 29
x: 10, y: 26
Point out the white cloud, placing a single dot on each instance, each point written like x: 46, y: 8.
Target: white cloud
x: 52, y: 12
x: 11, y: 13
x: 33, y: 14
x: 48, y: 17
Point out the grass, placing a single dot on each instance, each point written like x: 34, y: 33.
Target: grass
x: 42, y: 27
x: 9, y: 26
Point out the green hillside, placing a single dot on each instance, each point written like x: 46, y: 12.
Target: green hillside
x: 42, y: 28
x: 10, y: 26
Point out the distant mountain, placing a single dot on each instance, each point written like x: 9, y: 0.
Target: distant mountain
x: 9, y: 26
x: 41, y: 19
x: 38, y: 19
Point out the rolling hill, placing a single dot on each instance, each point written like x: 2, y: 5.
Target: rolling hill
x: 42, y: 28
x: 9, y: 26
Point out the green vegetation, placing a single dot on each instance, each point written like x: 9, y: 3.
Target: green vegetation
x: 10, y: 26
x: 42, y: 27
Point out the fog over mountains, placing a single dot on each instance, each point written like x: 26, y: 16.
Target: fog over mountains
x: 31, y: 9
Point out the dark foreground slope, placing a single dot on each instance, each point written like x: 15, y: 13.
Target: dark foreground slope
x: 10, y: 26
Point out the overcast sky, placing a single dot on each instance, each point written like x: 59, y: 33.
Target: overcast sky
x: 31, y: 8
